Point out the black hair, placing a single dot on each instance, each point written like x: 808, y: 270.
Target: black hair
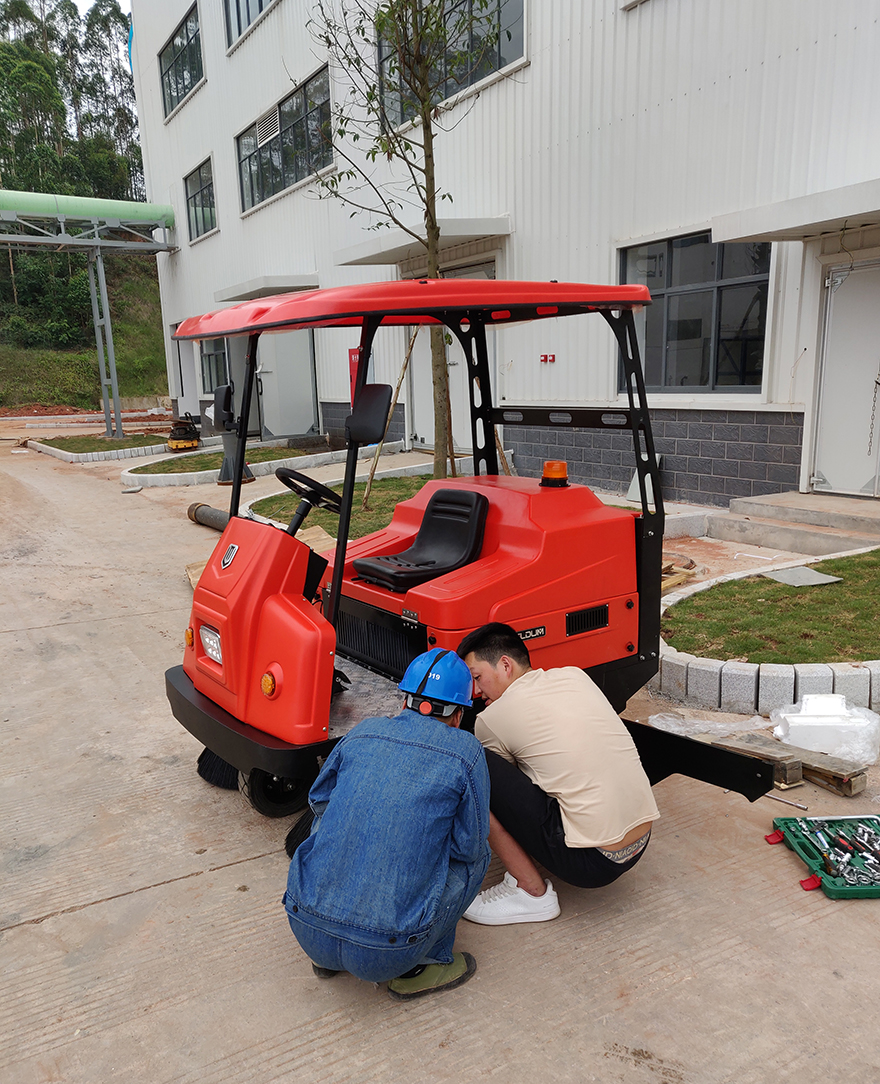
x: 492, y: 641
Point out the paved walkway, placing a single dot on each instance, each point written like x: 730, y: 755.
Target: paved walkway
x: 142, y: 937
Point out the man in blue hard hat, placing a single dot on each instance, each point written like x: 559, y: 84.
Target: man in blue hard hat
x: 398, y: 849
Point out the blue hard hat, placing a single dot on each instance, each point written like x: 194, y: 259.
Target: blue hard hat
x: 439, y: 676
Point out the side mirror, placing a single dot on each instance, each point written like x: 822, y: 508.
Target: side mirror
x: 223, y: 408
x: 367, y: 421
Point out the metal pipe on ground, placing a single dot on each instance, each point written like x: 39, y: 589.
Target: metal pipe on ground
x: 208, y: 516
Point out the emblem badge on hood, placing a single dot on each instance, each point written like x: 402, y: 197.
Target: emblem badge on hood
x: 228, y: 556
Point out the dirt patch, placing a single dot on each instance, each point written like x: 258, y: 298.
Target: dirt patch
x: 40, y: 409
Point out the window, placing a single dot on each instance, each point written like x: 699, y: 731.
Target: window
x: 483, y: 37
x: 705, y: 328
x: 180, y: 62
x: 240, y: 14
x: 288, y: 144
x: 200, y: 211
x: 213, y: 364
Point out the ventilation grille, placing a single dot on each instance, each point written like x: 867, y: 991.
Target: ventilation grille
x: 387, y: 650
x: 586, y: 620
x: 267, y: 127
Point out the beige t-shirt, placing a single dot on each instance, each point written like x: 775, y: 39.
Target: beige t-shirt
x: 559, y: 729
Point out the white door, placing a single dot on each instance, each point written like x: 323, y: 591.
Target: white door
x: 848, y: 429
x: 286, y: 384
x: 421, y: 384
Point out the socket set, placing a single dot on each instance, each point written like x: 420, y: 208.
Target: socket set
x: 842, y: 853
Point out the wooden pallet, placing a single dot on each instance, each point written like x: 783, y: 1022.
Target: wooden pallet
x: 792, y: 764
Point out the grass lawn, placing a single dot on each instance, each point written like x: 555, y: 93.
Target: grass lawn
x: 93, y: 443
x: 213, y: 461
x: 759, y: 620
x: 385, y: 495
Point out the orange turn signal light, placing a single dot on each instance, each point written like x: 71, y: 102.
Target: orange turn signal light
x: 267, y: 684
x: 189, y: 637
x: 555, y: 473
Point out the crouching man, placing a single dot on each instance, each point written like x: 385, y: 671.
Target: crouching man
x: 568, y: 788
x: 398, y: 847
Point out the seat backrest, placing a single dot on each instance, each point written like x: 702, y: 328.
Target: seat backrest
x: 451, y: 532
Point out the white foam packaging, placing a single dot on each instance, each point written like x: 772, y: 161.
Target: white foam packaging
x: 827, y: 723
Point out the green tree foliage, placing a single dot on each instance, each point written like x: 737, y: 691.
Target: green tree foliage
x: 68, y: 125
x: 68, y: 121
x: 397, y: 62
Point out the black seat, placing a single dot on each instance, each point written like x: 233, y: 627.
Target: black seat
x: 451, y: 536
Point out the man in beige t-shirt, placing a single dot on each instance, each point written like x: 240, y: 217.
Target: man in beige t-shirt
x: 567, y: 787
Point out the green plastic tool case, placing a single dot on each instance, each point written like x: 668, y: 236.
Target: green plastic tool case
x: 798, y: 834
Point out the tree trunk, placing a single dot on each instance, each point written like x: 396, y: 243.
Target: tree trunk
x: 439, y: 372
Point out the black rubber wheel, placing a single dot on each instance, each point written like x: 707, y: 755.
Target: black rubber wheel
x: 318, y: 494
x: 275, y: 796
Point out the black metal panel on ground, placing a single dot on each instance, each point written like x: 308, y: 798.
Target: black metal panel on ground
x: 663, y: 754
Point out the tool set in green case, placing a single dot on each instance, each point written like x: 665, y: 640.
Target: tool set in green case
x: 842, y: 852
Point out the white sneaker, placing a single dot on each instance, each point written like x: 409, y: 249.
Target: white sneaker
x: 506, y: 903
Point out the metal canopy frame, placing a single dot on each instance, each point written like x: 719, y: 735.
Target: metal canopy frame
x: 93, y: 234
x: 466, y: 308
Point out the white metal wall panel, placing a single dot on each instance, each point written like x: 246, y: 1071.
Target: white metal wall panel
x: 624, y: 125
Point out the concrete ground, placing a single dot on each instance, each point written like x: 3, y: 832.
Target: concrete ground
x: 142, y: 937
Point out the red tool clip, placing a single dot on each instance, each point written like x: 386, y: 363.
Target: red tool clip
x: 775, y: 837
x: 811, y: 882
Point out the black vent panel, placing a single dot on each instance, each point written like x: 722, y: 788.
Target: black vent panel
x: 378, y: 640
x: 586, y: 620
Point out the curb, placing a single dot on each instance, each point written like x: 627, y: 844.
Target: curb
x: 259, y: 470
x: 465, y: 467
x: 746, y: 688
x: 118, y: 453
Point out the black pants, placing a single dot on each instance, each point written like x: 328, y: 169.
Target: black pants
x: 535, y: 822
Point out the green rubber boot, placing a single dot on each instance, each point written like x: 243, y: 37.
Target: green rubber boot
x: 434, y: 978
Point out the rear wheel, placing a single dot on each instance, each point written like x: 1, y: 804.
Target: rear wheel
x: 276, y: 795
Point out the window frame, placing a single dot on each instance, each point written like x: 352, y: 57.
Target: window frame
x: 210, y: 357
x: 191, y: 198
x: 276, y: 154
x: 477, y: 76
x: 169, y: 67
x: 717, y: 285
x: 237, y: 32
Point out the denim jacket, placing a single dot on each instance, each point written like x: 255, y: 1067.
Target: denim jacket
x: 402, y: 809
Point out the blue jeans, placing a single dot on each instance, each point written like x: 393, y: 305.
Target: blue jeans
x: 337, y: 947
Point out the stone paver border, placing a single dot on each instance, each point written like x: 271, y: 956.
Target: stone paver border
x: 748, y: 688
x: 465, y: 466
x: 119, y: 453
x: 259, y: 470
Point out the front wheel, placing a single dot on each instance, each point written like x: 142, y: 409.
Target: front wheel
x: 275, y: 795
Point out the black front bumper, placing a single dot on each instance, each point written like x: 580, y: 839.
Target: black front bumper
x: 241, y: 745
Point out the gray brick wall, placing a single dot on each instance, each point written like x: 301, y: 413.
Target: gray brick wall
x: 709, y: 456
x: 334, y: 415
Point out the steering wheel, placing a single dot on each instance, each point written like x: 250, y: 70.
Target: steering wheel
x: 318, y: 495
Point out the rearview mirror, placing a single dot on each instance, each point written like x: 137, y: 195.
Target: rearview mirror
x: 367, y: 421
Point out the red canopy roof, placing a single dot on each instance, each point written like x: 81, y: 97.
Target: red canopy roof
x: 413, y: 301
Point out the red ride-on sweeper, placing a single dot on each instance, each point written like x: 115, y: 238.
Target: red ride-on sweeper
x: 287, y: 649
